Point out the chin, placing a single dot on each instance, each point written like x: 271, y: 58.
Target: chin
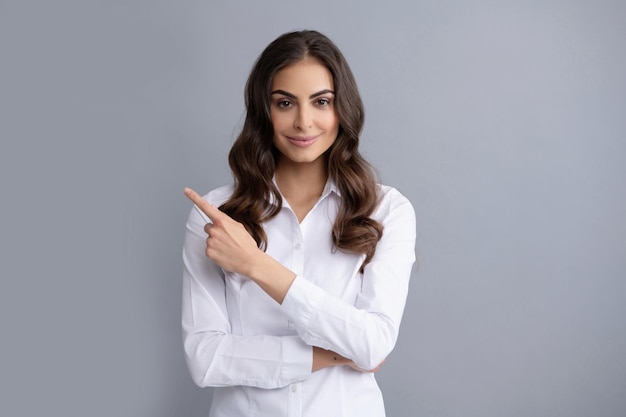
x: 302, y: 159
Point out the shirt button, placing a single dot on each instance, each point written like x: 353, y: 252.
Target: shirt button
x: 294, y: 388
x: 298, y: 246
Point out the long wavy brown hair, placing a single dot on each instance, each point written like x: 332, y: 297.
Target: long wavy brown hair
x: 253, y: 156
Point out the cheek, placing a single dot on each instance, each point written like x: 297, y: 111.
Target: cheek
x: 331, y: 121
x: 279, y: 121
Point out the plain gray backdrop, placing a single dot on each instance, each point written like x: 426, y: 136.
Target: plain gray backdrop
x: 504, y: 122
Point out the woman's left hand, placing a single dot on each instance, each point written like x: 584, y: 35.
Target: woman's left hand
x: 353, y: 366
x: 228, y: 243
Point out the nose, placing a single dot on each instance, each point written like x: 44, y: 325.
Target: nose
x: 304, y: 118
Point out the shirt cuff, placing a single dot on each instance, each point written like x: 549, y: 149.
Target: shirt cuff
x: 300, y: 301
x: 297, y: 359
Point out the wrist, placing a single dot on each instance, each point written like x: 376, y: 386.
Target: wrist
x: 253, y: 267
x: 323, y: 358
x: 270, y: 275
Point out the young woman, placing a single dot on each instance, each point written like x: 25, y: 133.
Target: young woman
x: 293, y: 289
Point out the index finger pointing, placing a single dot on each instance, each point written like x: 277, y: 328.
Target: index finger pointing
x: 205, y: 207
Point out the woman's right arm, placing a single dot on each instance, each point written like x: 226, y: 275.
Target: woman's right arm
x: 214, y: 355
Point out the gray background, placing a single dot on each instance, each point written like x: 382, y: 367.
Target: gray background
x: 503, y: 121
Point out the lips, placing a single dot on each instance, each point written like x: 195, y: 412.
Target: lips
x: 302, y: 141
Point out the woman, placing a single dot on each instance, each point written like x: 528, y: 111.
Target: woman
x: 294, y: 288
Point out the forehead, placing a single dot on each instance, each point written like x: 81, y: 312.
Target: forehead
x: 306, y: 75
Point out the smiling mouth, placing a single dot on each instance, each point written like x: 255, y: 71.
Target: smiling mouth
x: 302, y: 141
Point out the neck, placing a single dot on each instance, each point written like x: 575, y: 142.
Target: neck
x: 301, y: 180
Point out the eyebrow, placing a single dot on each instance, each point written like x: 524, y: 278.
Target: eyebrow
x: 319, y: 93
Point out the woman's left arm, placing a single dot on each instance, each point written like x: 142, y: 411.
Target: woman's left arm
x: 366, y: 331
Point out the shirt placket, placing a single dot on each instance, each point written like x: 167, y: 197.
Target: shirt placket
x: 295, y: 400
x: 297, y: 253
x: 295, y: 390
x: 297, y: 246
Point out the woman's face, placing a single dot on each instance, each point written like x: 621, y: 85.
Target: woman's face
x: 303, y: 112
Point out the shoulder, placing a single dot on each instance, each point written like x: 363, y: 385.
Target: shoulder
x: 218, y: 196
x: 391, y: 198
x: 393, y: 205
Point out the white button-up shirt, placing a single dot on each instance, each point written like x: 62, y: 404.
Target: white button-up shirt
x: 258, y: 353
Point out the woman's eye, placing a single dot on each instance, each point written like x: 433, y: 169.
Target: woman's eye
x: 323, y: 102
x: 283, y: 104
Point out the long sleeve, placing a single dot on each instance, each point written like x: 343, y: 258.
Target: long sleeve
x: 214, y: 354
x: 366, y: 330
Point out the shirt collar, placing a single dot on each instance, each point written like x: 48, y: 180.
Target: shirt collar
x: 329, y: 187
